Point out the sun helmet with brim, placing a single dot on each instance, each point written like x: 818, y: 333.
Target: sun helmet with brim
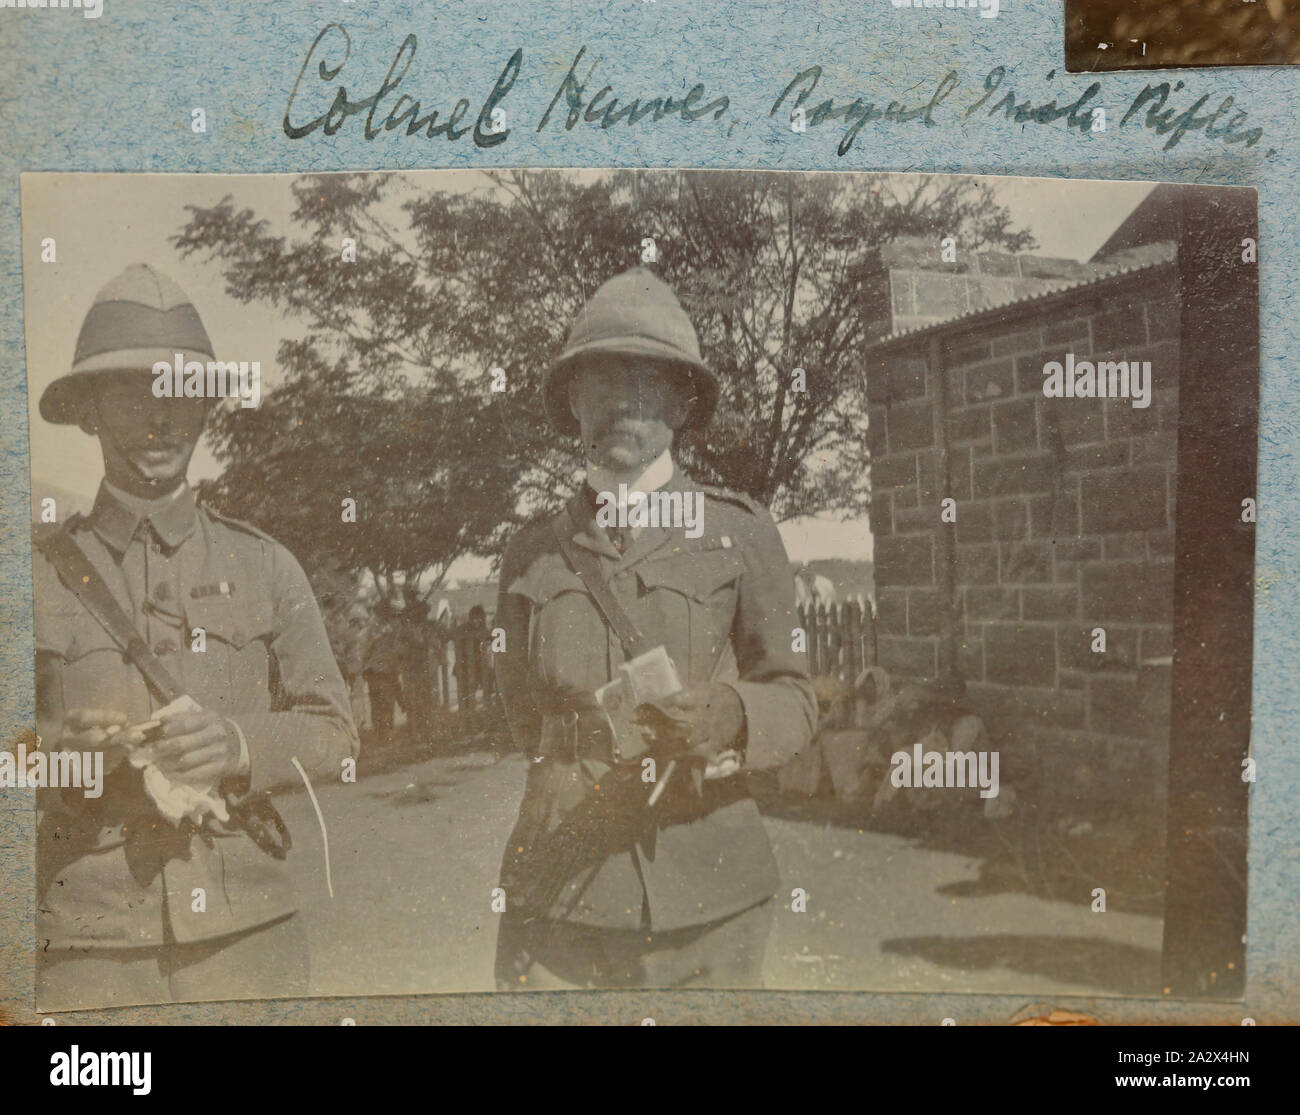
x: 138, y: 319
x: 633, y: 314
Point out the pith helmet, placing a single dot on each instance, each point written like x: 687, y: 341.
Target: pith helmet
x: 633, y: 314
x: 137, y: 319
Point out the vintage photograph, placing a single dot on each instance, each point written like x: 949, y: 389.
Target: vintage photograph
x: 517, y: 580
x: 1159, y: 34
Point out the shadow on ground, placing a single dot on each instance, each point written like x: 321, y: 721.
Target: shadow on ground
x: 382, y: 752
x: 1034, y: 851
x: 1093, y: 961
x: 417, y: 793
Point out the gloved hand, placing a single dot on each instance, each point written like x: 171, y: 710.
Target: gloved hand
x: 701, y: 720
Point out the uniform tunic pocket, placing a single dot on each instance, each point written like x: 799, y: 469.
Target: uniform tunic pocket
x: 235, y: 662
x: 90, y: 669
x: 692, y: 598
x: 567, y: 645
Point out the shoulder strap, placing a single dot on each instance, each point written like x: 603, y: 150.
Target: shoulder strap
x: 737, y: 499
x: 84, y: 581
x: 587, y: 566
x: 241, y: 525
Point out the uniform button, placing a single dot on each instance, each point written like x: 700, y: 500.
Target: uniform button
x: 165, y: 647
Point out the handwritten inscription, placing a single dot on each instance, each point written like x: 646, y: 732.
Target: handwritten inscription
x: 1156, y: 108
x: 609, y: 112
x: 1026, y: 112
x: 1166, y: 121
x: 861, y: 112
x: 1006, y: 104
x: 404, y: 110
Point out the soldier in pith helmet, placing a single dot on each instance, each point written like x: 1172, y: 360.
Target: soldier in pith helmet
x: 169, y: 885
x: 639, y: 857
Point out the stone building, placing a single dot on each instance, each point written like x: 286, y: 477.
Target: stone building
x: 1064, y: 507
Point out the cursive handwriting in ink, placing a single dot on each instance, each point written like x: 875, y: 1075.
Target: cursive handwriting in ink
x: 333, y: 118
x: 1026, y: 113
x: 859, y: 112
x: 609, y: 114
x: 1164, y: 122
x: 999, y: 102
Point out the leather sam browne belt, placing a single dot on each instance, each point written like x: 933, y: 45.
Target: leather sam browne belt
x: 580, y: 734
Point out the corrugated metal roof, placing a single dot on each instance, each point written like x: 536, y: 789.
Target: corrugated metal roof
x: 1149, y: 257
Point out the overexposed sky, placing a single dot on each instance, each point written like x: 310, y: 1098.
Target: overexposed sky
x: 101, y: 223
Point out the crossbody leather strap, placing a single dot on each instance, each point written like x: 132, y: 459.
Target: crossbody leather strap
x: 587, y: 566
x: 85, y: 582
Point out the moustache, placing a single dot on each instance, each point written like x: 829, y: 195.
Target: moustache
x: 624, y: 426
x: 155, y: 445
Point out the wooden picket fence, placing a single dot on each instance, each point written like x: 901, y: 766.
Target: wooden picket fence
x: 466, y: 678
x: 841, y: 639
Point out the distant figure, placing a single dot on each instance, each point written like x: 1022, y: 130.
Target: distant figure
x: 470, y: 654
x: 383, y: 659
x: 813, y: 590
x: 417, y: 678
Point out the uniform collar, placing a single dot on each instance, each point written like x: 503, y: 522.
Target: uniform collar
x: 582, y: 513
x: 655, y: 476
x: 116, y: 515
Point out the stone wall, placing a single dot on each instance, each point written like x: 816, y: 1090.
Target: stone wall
x: 1064, y: 524
x: 924, y: 289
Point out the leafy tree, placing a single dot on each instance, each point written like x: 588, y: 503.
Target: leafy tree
x: 369, y: 409
x: 388, y: 399
x: 781, y: 272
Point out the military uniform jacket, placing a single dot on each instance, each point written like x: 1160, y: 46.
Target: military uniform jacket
x: 111, y: 871
x: 722, y: 604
